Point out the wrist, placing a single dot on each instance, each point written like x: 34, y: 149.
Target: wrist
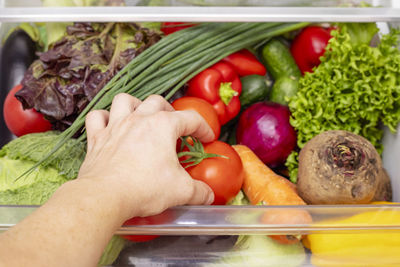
x: 99, y: 197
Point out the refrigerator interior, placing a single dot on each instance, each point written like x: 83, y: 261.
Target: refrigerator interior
x: 203, y: 237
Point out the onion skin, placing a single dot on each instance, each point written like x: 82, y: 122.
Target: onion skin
x: 264, y: 127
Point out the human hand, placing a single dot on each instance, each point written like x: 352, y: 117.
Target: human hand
x: 132, y: 150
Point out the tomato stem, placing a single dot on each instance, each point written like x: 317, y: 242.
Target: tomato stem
x: 196, y: 152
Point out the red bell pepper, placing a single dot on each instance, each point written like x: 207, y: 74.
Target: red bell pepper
x: 245, y: 63
x: 171, y: 27
x: 221, y: 87
x: 309, y: 45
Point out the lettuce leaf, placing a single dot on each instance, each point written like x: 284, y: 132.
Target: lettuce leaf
x: 32, y: 147
x: 33, y: 189
x: 67, y: 77
x: 361, y: 33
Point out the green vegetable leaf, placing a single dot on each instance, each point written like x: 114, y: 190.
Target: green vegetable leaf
x: 111, y: 252
x: 155, y: 26
x: 54, y: 32
x: 355, y: 88
x: 239, y: 200
x: 34, y: 189
x: 361, y: 33
x: 33, y: 147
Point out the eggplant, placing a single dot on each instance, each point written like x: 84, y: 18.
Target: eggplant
x: 17, y: 54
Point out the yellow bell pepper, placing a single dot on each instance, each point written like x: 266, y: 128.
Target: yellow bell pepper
x: 368, y: 248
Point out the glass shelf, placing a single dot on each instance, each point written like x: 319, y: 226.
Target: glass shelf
x: 235, y: 220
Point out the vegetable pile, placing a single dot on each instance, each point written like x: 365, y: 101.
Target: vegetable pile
x: 356, y: 88
x: 314, y: 102
x: 203, y: 45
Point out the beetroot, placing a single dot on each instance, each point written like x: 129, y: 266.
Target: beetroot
x: 264, y: 127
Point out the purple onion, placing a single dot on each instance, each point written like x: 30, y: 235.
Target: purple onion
x: 264, y: 127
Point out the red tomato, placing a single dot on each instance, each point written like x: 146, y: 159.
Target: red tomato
x: 20, y: 121
x: 223, y: 174
x: 204, y: 108
x: 169, y: 27
x: 245, y: 63
x: 151, y: 220
x: 309, y: 46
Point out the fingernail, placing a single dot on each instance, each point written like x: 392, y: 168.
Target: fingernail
x: 210, y: 199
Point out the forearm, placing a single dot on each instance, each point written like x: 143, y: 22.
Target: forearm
x: 71, y: 229
x: 119, y: 178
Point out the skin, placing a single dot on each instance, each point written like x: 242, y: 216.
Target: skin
x: 119, y: 179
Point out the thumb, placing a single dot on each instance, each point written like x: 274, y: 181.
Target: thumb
x: 202, y: 194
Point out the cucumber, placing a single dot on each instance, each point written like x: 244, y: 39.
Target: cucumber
x: 283, y: 88
x: 254, y: 89
x: 279, y: 61
x: 283, y: 69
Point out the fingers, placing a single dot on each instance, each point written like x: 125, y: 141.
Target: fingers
x: 202, y: 194
x: 96, y: 121
x: 122, y: 106
x: 153, y: 104
x: 189, y: 122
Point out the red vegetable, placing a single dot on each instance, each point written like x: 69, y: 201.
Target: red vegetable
x: 221, y: 87
x: 139, y: 221
x: 20, y: 121
x: 203, y: 108
x: 150, y: 220
x: 223, y: 174
x: 264, y: 127
x: 245, y: 63
x: 309, y: 46
x: 169, y: 27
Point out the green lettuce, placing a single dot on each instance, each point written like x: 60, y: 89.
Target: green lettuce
x: 32, y: 189
x: 37, y: 187
x: 355, y: 88
x: 31, y: 148
x: 361, y: 33
x: 239, y: 200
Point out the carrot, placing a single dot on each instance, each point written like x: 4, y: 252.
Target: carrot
x: 263, y: 186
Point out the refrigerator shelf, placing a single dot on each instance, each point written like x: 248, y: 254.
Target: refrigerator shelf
x: 235, y: 220
x: 199, y: 14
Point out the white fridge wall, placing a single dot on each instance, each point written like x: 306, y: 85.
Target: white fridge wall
x: 391, y: 160
x: 391, y: 152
